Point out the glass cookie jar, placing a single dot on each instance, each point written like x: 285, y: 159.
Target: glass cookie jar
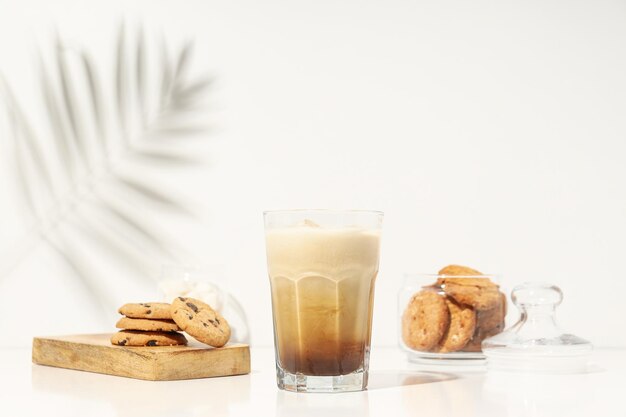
x: 446, y: 317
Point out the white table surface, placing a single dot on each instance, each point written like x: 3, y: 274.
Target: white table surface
x: 396, y: 388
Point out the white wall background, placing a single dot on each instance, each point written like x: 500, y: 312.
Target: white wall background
x: 490, y: 133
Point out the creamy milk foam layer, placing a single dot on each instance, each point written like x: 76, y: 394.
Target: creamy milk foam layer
x: 322, y: 294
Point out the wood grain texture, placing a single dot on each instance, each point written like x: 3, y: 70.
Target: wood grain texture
x: 95, y: 353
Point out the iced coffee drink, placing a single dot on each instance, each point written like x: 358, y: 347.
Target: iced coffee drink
x: 322, y: 267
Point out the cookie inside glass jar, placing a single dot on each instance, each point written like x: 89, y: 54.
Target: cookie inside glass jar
x: 455, y: 313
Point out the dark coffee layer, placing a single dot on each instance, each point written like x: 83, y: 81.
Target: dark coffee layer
x: 326, y: 358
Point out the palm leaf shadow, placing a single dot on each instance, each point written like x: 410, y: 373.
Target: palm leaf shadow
x: 68, y: 197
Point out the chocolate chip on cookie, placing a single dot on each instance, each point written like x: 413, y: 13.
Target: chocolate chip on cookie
x: 146, y: 310
x: 157, y: 325
x: 141, y: 338
x: 200, y: 321
x: 425, y: 320
x: 461, y: 328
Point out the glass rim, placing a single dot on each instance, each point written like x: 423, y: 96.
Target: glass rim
x: 337, y: 211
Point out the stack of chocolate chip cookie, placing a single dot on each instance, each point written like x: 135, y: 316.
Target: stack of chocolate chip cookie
x: 456, y: 313
x: 147, y: 324
x: 159, y: 324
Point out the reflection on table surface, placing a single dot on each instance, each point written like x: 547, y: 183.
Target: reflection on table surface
x: 396, y: 388
x: 128, y: 397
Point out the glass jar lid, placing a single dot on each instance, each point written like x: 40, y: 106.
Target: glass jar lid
x: 536, y: 343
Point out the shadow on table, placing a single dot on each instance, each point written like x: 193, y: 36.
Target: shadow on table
x: 392, y: 379
x: 348, y: 404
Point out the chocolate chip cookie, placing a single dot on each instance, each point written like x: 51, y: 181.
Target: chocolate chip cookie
x: 461, y: 328
x: 141, y: 338
x: 200, y: 321
x: 156, y: 325
x: 425, y: 320
x: 146, y: 310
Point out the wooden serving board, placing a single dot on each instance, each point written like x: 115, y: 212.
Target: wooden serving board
x: 95, y: 353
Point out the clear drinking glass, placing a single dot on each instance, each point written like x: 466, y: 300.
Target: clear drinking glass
x: 322, y: 266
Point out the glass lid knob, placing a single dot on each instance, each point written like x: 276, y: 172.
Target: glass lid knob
x: 540, y: 294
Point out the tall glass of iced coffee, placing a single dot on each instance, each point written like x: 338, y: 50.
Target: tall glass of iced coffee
x: 322, y: 266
